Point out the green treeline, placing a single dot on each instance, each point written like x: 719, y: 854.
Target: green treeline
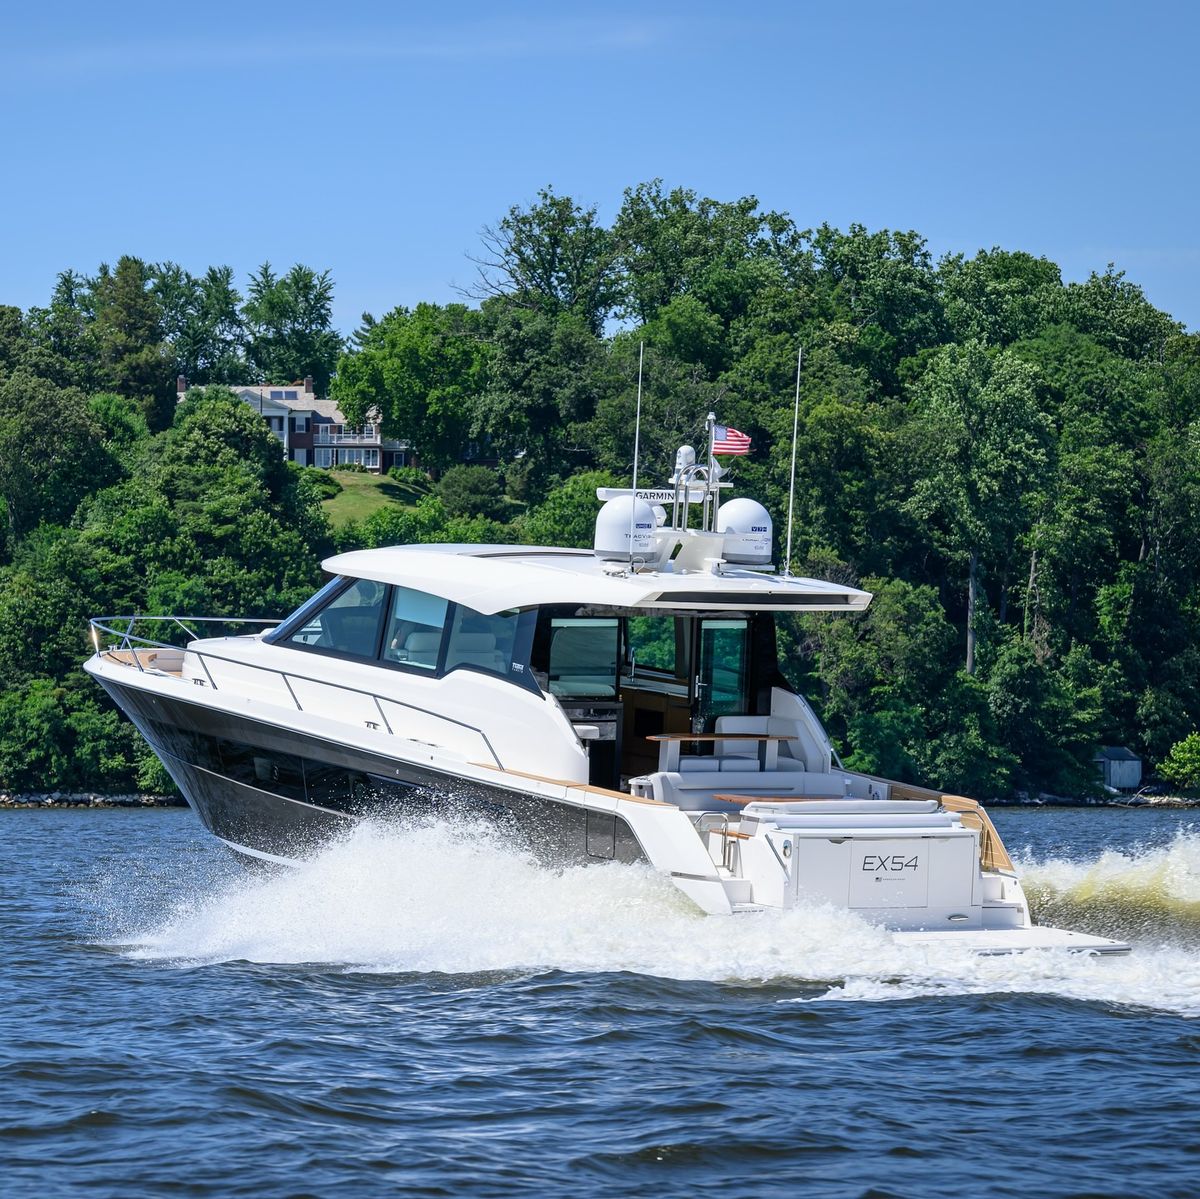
x: 1010, y: 463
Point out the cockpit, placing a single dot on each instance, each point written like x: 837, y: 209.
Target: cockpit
x: 644, y: 679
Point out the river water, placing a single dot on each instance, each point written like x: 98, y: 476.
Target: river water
x: 427, y: 1012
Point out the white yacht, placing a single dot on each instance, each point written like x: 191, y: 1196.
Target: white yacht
x: 622, y: 703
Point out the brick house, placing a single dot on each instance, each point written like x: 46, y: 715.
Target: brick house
x: 313, y: 431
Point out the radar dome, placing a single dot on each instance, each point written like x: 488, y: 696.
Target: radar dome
x: 617, y: 520
x: 747, y: 528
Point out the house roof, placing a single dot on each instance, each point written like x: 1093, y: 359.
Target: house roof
x: 1116, y: 753
x: 304, y: 401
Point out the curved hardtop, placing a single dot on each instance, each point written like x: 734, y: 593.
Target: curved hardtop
x: 498, y: 578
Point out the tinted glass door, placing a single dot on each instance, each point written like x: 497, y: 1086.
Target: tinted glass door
x: 723, y: 671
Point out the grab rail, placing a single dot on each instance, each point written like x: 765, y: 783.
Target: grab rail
x: 703, y: 826
x: 129, y: 642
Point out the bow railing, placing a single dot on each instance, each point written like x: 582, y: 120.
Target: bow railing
x: 119, y: 635
x: 125, y: 641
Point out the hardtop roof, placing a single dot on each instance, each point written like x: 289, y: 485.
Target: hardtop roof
x: 498, y: 578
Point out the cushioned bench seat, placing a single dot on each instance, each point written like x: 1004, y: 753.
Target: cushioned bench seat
x: 696, y: 764
x: 847, y: 807
x: 694, y: 789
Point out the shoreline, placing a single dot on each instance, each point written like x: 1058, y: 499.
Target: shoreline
x: 17, y: 801
x: 33, y: 800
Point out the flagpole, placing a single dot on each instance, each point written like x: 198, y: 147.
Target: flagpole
x: 710, y: 482
x: 637, y: 440
x: 787, y: 567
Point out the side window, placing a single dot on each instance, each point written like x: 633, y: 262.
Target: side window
x: 348, y: 624
x: 414, y: 631
x: 652, y: 643
x: 485, y: 642
x: 583, y: 656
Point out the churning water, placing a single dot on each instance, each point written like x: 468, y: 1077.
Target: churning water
x: 427, y: 1011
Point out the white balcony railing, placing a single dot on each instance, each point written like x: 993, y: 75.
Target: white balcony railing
x: 365, y: 436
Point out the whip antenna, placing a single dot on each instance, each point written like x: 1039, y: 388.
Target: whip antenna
x: 637, y: 438
x: 787, y: 567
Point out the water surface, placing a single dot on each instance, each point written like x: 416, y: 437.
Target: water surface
x: 428, y: 1012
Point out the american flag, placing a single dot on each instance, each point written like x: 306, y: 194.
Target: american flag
x: 729, y: 441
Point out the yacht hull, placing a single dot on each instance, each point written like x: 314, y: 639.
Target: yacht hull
x: 279, y: 794
x: 275, y: 792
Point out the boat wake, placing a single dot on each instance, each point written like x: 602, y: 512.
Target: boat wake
x: 1150, y: 894
x: 456, y: 898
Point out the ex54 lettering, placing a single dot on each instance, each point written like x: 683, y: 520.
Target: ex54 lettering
x: 895, y: 864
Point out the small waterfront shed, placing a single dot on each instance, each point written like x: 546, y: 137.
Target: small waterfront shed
x: 1119, y: 767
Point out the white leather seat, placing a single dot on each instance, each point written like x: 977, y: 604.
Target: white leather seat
x: 475, y: 649
x: 740, y: 724
x: 784, y: 755
x: 421, y: 649
x: 695, y: 789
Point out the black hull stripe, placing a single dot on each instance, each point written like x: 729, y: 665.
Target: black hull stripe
x: 246, y: 814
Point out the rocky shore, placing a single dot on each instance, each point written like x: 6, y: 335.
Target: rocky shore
x: 1150, y: 797
x: 92, y: 799
x: 88, y: 799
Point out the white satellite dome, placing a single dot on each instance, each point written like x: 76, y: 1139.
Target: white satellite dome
x: 618, y: 519
x: 747, y: 528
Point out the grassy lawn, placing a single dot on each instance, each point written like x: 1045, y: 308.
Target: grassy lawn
x: 363, y: 494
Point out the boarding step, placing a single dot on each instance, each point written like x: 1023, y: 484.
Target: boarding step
x: 1003, y: 914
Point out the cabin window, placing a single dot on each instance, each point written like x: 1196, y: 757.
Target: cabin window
x: 489, y: 643
x: 414, y: 632
x: 304, y: 613
x: 583, y: 657
x: 411, y: 630
x: 348, y: 624
x: 652, y: 644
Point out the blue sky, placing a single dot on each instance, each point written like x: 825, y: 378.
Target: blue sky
x: 376, y: 139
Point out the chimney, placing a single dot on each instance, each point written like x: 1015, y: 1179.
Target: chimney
x: 180, y: 384
x: 308, y: 384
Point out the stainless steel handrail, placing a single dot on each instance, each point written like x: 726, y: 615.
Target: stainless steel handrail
x: 128, y: 638
x: 703, y: 826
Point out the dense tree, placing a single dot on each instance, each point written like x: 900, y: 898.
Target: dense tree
x: 676, y: 397
x: 12, y: 338
x: 289, y: 326
x: 203, y: 322
x: 546, y: 375
x: 134, y: 357
x: 998, y: 296
x: 674, y: 244
x: 568, y: 514
x: 553, y: 257
x: 473, y: 491
x: 1117, y: 313
x: 51, y: 452
x: 421, y: 373
x: 884, y: 294
x: 1006, y: 460
x: 980, y: 446
x: 60, y: 343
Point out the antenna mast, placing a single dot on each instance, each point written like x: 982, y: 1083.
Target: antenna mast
x: 637, y: 438
x: 787, y: 566
x: 711, y: 476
